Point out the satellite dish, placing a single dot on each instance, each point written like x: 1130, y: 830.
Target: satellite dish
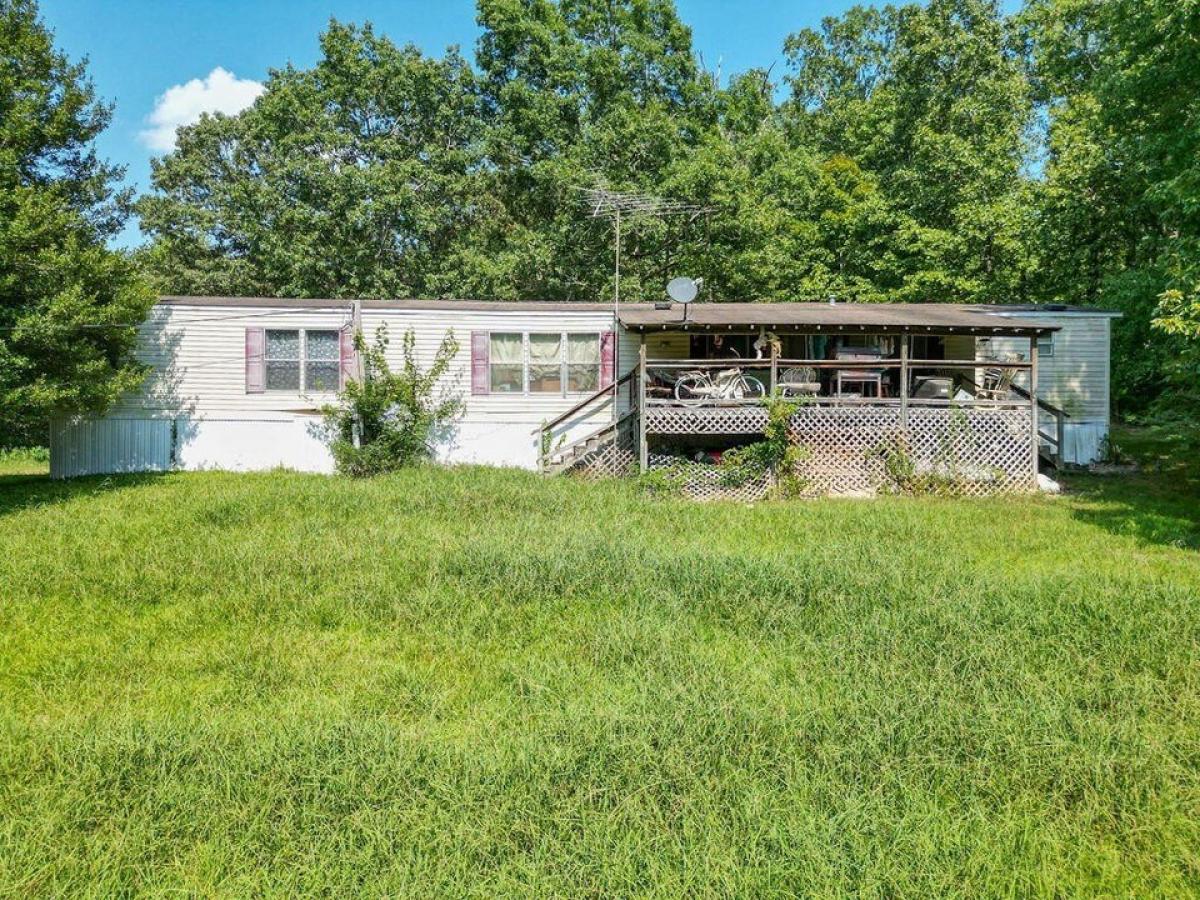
x: 682, y: 290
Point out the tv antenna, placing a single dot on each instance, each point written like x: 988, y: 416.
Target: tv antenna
x: 614, y: 205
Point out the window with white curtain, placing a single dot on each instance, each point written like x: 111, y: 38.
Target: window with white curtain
x: 506, y: 357
x: 583, y: 362
x: 545, y: 364
x: 551, y: 362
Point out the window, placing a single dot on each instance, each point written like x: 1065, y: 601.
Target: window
x: 283, y: 360
x: 506, y: 357
x: 543, y: 363
x: 322, y: 360
x: 583, y: 362
x: 299, y: 360
x: 1045, y: 345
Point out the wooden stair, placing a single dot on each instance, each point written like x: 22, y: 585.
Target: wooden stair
x: 563, y: 459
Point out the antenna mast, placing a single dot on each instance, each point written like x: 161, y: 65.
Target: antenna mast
x: 606, y: 204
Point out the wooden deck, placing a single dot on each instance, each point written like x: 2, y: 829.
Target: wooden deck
x: 977, y: 443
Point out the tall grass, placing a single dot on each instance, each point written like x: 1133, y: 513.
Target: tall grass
x: 482, y: 683
x: 24, y: 461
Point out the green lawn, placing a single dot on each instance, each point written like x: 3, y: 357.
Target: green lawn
x: 479, y: 682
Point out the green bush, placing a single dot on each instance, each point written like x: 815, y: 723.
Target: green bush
x: 389, y: 420
x: 774, y: 454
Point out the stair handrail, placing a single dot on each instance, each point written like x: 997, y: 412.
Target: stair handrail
x: 1058, y: 437
x: 566, y: 449
x: 543, y: 432
x: 1044, y: 404
x: 562, y: 417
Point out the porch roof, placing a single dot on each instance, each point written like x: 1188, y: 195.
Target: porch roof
x: 912, y: 318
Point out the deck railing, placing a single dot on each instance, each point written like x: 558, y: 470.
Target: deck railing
x: 664, y: 369
x: 656, y: 400
x: 1000, y: 424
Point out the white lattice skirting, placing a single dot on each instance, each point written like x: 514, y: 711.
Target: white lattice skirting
x: 853, y: 450
x: 705, y: 481
x: 615, y: 457
x: 865, y: 450
x: 706, y: 420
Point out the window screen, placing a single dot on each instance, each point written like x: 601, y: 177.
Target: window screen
x: 322, y: 360
x: 583, y: 362
x: 545, y: 364
x: 298, y: 360
x: 283, y: 360
x: 507, y: 363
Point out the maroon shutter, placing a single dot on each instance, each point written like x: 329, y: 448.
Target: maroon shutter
x: 347, y: 354
x: 256, y: 365
x: 479, y: 362
x: 608, y: 344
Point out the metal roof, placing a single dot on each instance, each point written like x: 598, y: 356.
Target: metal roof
x: 308, y: 303
x: 932, y: 318
x: 1043, y: 309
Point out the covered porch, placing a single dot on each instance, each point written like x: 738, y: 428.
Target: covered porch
x: 874, y: 394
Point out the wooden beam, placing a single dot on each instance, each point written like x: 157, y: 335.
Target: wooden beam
x: 1033, y: 405
x: 643, y: 450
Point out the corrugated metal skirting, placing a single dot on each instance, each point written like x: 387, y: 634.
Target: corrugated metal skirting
x: 110, y: 445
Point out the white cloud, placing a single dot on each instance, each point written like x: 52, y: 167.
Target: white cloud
x: 182, y: 104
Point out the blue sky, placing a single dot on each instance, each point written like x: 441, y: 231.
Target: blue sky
x: 139, y: 49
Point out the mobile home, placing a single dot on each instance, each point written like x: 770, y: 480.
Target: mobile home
x: 239, y: 383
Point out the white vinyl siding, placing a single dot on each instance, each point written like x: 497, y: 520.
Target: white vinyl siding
x: 1075, y: 376
x: 197, y: 356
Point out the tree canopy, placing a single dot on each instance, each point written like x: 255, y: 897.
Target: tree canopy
x: 939, y: 151
x: 67, y: 303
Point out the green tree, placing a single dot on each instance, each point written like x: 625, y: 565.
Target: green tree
x: 358, y: 177
x: 391, y: 419
x: 66, y: 301
x: 931, y: 101
x: 381, y: 172
x: 1120, y: 224
x: 584, y: 93
x: 1178, y: 315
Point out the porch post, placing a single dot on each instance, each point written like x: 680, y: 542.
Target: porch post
x: 774, y: 368
x: 1033, y: 405
x: 904, y: 381
x: 643, y: 450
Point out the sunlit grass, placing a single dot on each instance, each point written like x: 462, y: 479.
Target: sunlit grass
x: 22, y: 461
x: 477, y: 682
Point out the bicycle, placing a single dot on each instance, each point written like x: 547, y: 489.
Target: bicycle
x: 728, y: 384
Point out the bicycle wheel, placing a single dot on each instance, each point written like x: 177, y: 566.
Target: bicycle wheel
x: 750, y: 388
x: 690, y: 388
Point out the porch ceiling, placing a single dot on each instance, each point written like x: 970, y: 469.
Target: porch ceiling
x: 913, y: 318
